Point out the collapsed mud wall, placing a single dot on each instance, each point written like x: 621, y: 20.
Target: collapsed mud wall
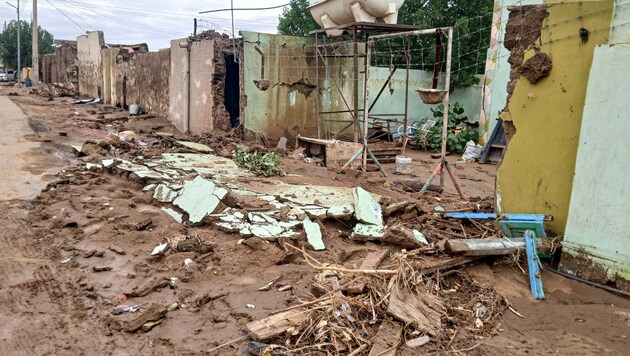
x: 143, y: 78
x: 61, y: 66
x: 90, y: 63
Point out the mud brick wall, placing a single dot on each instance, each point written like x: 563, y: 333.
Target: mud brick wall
x: 143, y: 79
x: 61, y: 66
x: 90, y: 63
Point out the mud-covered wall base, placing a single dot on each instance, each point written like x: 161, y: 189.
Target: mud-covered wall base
x: 581, y: 264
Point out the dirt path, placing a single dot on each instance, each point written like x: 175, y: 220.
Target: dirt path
x: 54, y: 301
x: 17, y: 181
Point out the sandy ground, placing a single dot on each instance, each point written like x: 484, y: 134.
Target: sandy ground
x: 52, y: 300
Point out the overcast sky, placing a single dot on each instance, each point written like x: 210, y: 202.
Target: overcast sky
x: 155, y: 22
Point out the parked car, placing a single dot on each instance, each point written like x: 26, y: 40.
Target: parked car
x: 7, y: 76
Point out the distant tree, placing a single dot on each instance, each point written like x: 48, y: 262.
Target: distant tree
x: 471, y: 19
x: 8, y: 44
x: 296, y: 20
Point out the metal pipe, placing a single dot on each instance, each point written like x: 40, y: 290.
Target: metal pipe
x: 411, y: 33
x: 318, y: 109
x: 355, y: 45
x: 408, y: 62
x: 593, y: 284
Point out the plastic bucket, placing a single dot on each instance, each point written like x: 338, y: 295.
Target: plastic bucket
x: 403, y: 165
x: 134, y: 109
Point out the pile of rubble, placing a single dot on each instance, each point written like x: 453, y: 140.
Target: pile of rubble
x: 57, y: 90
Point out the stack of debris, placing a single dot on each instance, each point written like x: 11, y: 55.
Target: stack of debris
x: 390, y: 304
x: 57, y: 90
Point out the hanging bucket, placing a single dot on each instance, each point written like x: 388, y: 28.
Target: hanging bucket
x: 431, y: 96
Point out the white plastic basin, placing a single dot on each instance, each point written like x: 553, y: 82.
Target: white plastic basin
x: 332, y: 13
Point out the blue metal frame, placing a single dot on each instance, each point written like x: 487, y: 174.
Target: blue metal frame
x: 534, y: 266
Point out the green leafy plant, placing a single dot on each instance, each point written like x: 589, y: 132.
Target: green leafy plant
x: 460, y: 130
x: 265, y: 165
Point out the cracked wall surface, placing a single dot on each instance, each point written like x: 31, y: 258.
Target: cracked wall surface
x: 536, y: 174
x: 90, y: 63
x: 61, y: 66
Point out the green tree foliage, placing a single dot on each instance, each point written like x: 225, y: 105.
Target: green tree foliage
x: 8, y: 44
x: 296, y: 20
x: 471, y: 19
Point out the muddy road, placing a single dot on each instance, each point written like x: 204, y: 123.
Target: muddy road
x: 76, y: 243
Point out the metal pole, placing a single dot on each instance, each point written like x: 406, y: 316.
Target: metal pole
x: 233, y: 36
x: 447, y: 88
x: 366, y: 104
x: 355, y: 63
x: 19, y: 43
x: 318, y: 88
x: 35, y: 74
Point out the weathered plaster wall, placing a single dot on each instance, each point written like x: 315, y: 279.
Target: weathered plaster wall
x: 289, y: 101
x: 110, y: 71
x: 596, y: 243
x: 393, y: 98
x: 620, y: 31
x: 497, y: 74
x: 143, y: 79
x: 197, y: 106
x: 90, y: 63
x: 60, y: 67
x: 536, y: 175
x: 178, y: 89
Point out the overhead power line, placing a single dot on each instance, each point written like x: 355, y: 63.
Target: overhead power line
x: 246, y: 9
x: 66, y: 16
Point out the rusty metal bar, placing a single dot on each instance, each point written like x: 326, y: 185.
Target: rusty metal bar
x: 318, y: 88
x: 356, y: 85
x: 339, y: 111
x: 389, y: 78
x: 410, y: 33
x: 408, y: 63
x: 438, y: 59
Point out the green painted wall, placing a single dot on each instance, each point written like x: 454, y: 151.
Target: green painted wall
x: 598, y: 217
x: 287, y: 61
x: 393, y: 98
x: 536, y: 175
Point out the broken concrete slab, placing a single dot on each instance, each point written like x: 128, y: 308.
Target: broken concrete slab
x: 199, y: 198
x: 341, y: 212
x: 366, y: 208
x: 313, y: 234
x: 179, y: 217
x: 196, y: 146
x: 164, y: 194
x: 365, y: 232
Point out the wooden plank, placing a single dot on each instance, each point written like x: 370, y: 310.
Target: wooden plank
x: 387, y: 339
x: 423, y: 310
x: 276, y: 325
x: 371, y: 262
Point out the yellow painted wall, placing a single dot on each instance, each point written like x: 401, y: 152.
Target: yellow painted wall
x: 536, y: 175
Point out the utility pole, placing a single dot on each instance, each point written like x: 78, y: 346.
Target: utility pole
x: 35, y: 74
x: 19, y: 68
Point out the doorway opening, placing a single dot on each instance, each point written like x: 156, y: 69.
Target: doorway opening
x: 232, y: 89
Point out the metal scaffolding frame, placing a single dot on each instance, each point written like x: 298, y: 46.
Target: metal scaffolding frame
x: 355, y: 34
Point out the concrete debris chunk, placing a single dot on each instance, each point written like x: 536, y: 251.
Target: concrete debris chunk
x: 366, y: 208
x: 340, y: 212
x: 313, y: 234
x: 404, y: 237
x: 199, y: 198
x: 159, y: 249
x: 418, y: 342
x: 179, y: 217
x: 365, y: 232
x: 164, y: 194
